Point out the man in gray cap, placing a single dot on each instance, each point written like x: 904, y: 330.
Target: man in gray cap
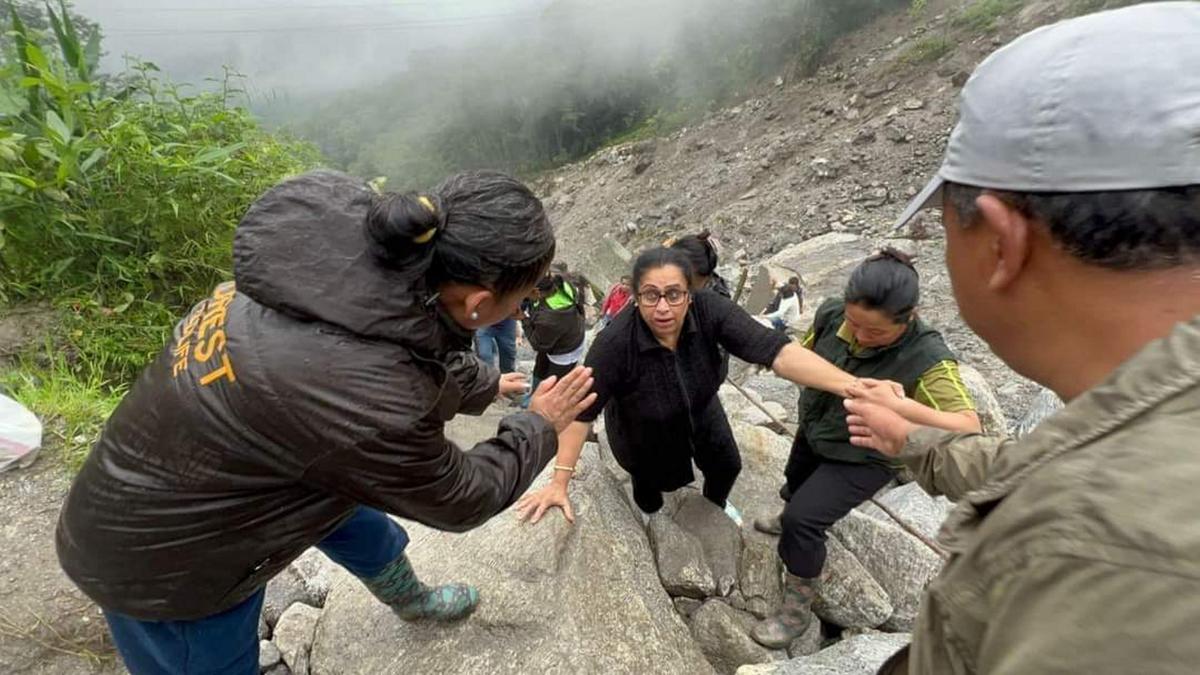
x: 1070, y: 197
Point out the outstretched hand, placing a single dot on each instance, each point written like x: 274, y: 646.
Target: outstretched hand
x: 561, y: 401
x: 877, y: 427
x: 512, y: 384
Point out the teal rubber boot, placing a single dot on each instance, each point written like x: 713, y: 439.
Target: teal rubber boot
x: 398, y: 587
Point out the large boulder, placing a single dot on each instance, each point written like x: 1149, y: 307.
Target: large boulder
x: 764, y: 456
x: 742, y: 409
x: 901, y: 563
x: 294, y: 636
x: 858, y: 655
x: 719, y: 537
x: 847, y: 595
x: 680, y: 559
x: 555, y: 597
x: 910, y: 502
x: 723, y: 634
x: 286, y: 589
x: 760, y: 576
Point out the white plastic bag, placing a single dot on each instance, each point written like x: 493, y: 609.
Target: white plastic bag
x: 20, y: 435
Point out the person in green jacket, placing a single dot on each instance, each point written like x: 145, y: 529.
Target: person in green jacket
x: 873, y: 332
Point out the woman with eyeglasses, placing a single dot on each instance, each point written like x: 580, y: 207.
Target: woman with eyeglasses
x: 657, y: 371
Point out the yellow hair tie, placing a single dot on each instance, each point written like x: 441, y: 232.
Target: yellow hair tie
x: 428, y: 234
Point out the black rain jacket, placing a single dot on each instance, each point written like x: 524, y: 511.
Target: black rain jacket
x: 320, y: 382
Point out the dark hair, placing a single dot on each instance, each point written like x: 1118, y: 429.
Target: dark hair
x: 887, y: 282
x: 787, y: 291
x: 794, y: 281
x: 700, y: 251
x: 478, y: 227
x: 662, y: 256
x: 1120, y: 230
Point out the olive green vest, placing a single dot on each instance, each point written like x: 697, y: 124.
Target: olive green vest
x: 904, y: 361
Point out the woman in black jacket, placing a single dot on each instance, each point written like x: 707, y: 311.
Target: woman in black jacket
x: 295, y: 408
x: 657, y: 372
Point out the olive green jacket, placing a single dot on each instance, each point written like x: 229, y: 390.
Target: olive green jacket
x: 1077, y: 548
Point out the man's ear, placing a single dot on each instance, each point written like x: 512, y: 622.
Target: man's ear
x: 1009, y: 234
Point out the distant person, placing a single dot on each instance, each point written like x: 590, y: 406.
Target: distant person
x: 786, y: 317
x: 703, y: 253
x: 618, y: 297
x: 498, y: 342
x: 302, y: 406
x: 793, y: 284
x: 1070, y: 197
x: 873, y: 331
x: 554, y: 328
x: 657, y: 371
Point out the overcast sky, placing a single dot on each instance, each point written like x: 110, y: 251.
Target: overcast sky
x: 288, y: 47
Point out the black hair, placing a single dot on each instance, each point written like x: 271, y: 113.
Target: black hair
x: 787, y: 291
x: 652, y: 259
x: 886, y: 282
x: 1119, y: 230
x: 700, y: 251
x: 479, y: 227
x: 794, y: 281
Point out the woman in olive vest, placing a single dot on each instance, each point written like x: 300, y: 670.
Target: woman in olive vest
x: 873, y: 333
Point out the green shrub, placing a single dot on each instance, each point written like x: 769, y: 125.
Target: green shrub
x: 927, y: 50
x: 982, y: 15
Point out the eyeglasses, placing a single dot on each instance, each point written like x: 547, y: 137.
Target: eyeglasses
x: 674, y: 296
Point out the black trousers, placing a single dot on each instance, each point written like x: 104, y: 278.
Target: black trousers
x: 819, y: 492
x: 716, y: 455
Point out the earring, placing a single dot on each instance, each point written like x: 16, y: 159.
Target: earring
x: 474, y: 316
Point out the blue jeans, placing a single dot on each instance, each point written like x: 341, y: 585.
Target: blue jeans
x: 227, y: 643
x: 499, y: 338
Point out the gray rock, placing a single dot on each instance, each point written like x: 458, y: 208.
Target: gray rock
x: 738, y: 407
x: 264, y: 631
x: 760, y: 576
x: 268, y: 655
x: 680, y: 559
x: 1045, y: 404
x: 859, y: 655
x: 279, y: 669
x: 317, y: 572
x: 294, y: 636
x: 556, y: 597
x: 764, y: 455
x: 807, y: 644
x: 991, y: 413
x: 901, y: 563
x: 719, y: 537
x: 915, y: 506
x: 723, y: 634
x: 847, y: 594
x: 686, y: 606
x: 284, y: 590
x: 913, y: 104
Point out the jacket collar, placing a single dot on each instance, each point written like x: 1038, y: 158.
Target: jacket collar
x: 1162, y: 369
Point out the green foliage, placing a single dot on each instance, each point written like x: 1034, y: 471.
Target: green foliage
x: 927, y: 50
x: 983, y: 15
x: 917, y: 7
x: 119, y: 202
x: 73, y: 401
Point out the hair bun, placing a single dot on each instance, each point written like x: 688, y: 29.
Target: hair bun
x: 892, y: 253
x: 402, y: 226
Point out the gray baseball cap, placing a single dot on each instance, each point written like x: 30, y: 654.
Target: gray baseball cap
x: 1104, y: 102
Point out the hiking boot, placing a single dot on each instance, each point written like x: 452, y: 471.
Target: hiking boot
x: 770, y: 525
x: 398, y: 587
x: 794, y: 615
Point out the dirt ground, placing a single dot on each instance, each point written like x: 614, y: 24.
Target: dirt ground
x: 46, y: 625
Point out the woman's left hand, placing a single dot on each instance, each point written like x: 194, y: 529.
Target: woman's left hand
x: 512, y: 384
